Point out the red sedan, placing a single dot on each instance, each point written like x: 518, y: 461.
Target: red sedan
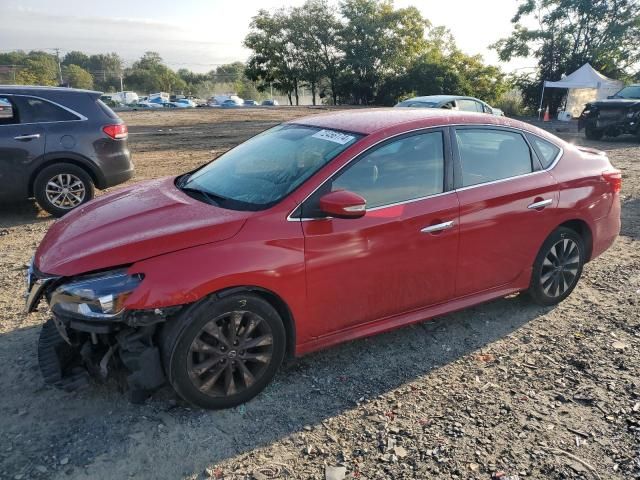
x: 317, y: 231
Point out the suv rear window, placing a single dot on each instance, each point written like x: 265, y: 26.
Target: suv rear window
x: 106, y: 109
x: 37, y: 110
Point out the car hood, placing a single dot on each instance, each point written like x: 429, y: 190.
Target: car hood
x: 131, y: 224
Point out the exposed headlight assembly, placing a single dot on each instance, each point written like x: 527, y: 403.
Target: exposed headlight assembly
x: 98, y: 297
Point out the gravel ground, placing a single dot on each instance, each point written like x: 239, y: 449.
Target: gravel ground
x: 502, y: 390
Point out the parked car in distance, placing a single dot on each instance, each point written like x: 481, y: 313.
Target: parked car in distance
x: 184, y: 103
x: 125, y: 98
x: 57, y: 145
x: 146, y: 105
x: 270, y: 103
x: 451, y: 102
x: 615, y: 116
x: 231, y: 103
x: 250, y: 103
x: 318, y: 231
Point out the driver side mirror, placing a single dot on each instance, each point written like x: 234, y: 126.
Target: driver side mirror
x: 343, y: 204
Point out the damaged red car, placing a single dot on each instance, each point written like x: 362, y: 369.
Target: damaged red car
x: 317, y: 231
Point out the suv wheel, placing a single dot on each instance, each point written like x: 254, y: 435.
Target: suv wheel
x: 222, y: 352
x: 557, y: 267
x: 593, y: 133
x: 62, y: 187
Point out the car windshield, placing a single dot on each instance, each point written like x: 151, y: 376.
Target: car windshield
x: 632, y: 91
x: 263, y: 170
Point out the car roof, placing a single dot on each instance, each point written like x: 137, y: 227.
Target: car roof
x: 33, y: 89
x: 372, y: 120
x: 439, y: 98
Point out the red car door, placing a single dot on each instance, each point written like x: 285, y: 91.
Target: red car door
x: 507, y: 207
x: 401, y: 255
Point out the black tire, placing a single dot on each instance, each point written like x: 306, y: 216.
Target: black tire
x: 200, y: 327
x: 593, y: 133
x: 557, y: 267
x: 59, y: 173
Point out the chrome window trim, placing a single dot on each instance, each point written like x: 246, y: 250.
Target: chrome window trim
x: 81, y: 118
x: 550, y: 167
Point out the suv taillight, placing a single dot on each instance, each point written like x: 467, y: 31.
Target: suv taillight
x: 118, y: 131
x: 614, y: 178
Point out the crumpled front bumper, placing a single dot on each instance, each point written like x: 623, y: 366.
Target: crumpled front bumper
x: 73, y: 350
x: 68, y: 357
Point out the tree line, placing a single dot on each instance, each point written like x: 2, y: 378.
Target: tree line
x: 106, y: 72
x: 362, y: 52
x: 369, y: 52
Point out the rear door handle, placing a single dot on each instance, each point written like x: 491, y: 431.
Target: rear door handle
x: 540, y: 204
x: 27, y: 137
x: 438, y: 227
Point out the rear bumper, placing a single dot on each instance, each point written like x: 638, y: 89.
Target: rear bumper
x: 116, y: 178
x: 607, y: 229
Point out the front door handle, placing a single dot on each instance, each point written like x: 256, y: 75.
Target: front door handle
x: 27, y: 137
x: 438, y: 227
x: 540, y: 204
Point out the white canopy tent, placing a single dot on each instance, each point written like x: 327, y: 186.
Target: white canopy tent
x: 585, y: 84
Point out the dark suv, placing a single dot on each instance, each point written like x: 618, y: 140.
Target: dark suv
x: 56, y: 144
x: 617, y: 115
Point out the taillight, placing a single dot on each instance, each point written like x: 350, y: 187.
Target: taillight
x: 117, y: 131
x: 614, y: 178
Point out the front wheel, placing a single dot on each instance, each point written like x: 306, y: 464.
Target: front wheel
x: 557, y: 267
x: 223, y: 352
x: 61, y: 187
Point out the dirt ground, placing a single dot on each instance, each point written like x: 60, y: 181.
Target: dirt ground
x: 503, y: 390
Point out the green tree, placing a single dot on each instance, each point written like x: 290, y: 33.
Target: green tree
x: 40, y: 68
x: 230, y: 73
x: 569, y: 33
x: 78, y: 77
x: 274, y: 60
x: 379, y: 44
x: 76, y: 58
x: 149, y: 74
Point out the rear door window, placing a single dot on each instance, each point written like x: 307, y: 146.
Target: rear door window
x: 8, y: 112
x: 37, y: 110
x: 487, y: 155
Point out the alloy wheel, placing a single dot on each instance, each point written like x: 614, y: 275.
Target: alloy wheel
x: 65, y: 191
x: 560, y: 267
x: 230, y: 353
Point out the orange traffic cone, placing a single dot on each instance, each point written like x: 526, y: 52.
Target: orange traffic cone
x: 546, y: 115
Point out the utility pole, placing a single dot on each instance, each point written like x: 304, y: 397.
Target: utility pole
x: 57, y: 50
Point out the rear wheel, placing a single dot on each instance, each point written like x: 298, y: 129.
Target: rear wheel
x: 557, y: 267
x: 61, y: 187
x: 223, y: 352
x: 593, y: 133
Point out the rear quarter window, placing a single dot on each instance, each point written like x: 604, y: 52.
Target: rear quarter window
x: 106, y: 109
x: 547, y: 151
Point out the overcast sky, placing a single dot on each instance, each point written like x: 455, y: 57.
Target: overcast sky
x: 199, y: 34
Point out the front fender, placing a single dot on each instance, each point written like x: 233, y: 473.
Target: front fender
x: 268, y: 253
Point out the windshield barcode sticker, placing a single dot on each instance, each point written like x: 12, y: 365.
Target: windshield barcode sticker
x: 332, y: 136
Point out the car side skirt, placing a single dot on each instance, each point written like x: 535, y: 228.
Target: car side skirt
x: 416, y: 316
